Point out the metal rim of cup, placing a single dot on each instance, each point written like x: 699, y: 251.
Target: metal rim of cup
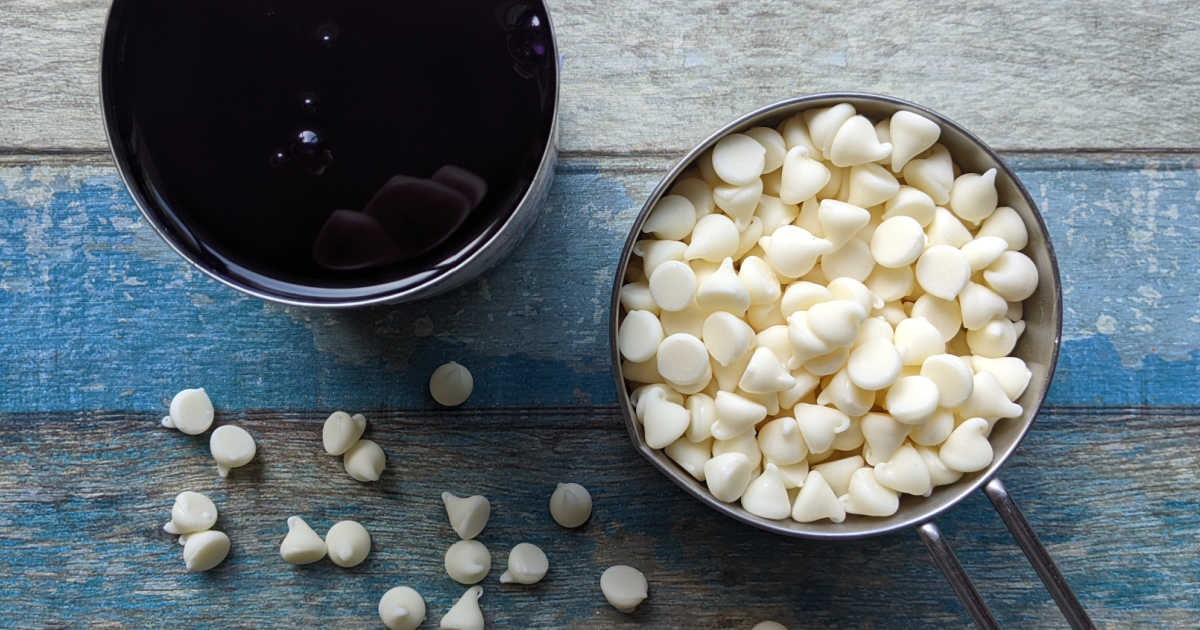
x: 943, y: 497
x: 483, y: 258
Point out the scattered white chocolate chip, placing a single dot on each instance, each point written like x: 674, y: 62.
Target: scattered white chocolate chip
x: 468, y: 561
x: 364, y: 461
x: 468, y: 515
x: 191, y: 512
x: 348, y: 543
x: 301, y: 545
x: 231, y: 447
x: 204, y: 550
x: 465, y: 614
x: 624, y: 587
x: 570, y: 505
x: 527, y: 564
x: 769, y: 625
x: 341, y: 430
x: 191, y: 412
x: 402, y: 608
x: 451, y: 384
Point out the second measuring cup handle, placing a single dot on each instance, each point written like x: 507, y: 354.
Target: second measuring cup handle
x: 944, y: 558
x: 1038, y: 557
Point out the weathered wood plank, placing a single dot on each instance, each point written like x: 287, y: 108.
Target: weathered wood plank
x: 100, y: 314
x: 640, y: 77
x: 84, y: 496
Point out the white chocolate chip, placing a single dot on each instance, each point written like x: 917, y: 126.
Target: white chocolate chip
x: 890, y: 284
x: 967, y: 449
x: 842, y: 393
x: 910, y: 135
x: 1008, y: 225
x: 840, y: 221
x: 973, y: 196
x: 760, y: 281
x: 465, y: 614
x: 871, y: 185
x: 781, y: 442
x: 624, y: 587
x: 527, y: 564
x: 988, y: 400
x: 905, y: 471
x: 883, y: 435
x: 875, y: 364
x: 983, y: 251
x: 341, y: 431
x: 795, y: 134
x: 301, y: 545
x: 793, y: 251
x: 917, y: 339
x: 835, y: 322
x: 231, y: 447
x: 766, y: 495
x: 820, y: 425
x: 672, y: 218
x: 698, y: 192
x: 451, y: 384
x: 980, y: 305
x: 664, y: 422
x: 1013, y: 276
x: 943, y: 271
x: 868, y: 497
x: 897, y: 242
x: 994, y: 340
x: 774, y: 213
x: 801, y: 296
x: 205, y: 550
x: 844, y: 288
x: 191, y: 512
x: 939, y: 474
x: 570, y: 505
x: 739, y: 201
x: 402, y: 608
x: 467, y: 515
x: 641, y: 372
x: 933, y: 174
x: 364, y: 461
x: 702, y: 411
x: 910, y: 202
x: 837, y: 472
x: 945, y: 315
x: 714, y: 239
x: 827, y: 364
x: 857, y: 143
x: 639, y: 335
x: 655, y: 253
x: 723, y: 291
x: 1011, y: 372
x: 852, y: 260
x: 802, y: 177
x: 468, y: 561
x: 691, y: 456
x: 805, y: 384
x: 690, y: 321
x: 348, y: 543
x: 934, y: 430
x: 683, y: 360
x: 772, y: 143
x: 191, y: 412
x: 673, y: 285
x: 735, y: 415
x: 765, y: 374
x: 816, y: 501
x: 824, y: 123
x: 912, y: 399
x: 952, y: 377
x: 727, y: 376
x: 769, y: 625
x: 738, y: 158
x: 727, y: 475
x: 635, y: 296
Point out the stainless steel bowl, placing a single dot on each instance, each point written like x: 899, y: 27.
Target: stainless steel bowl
x: 1038, y: 346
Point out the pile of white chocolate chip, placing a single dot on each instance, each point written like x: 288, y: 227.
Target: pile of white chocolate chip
x: 820, y: 316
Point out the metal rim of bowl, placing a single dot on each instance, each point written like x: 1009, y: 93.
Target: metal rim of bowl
x: 824, y: 530
x: 498, y: 245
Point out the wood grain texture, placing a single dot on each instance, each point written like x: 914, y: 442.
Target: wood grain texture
x: 643, y: 77
x: 101, y: 314
x: 84, y: 496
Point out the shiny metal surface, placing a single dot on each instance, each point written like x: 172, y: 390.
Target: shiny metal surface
x: 498, y: 245
x: 1039, y: 345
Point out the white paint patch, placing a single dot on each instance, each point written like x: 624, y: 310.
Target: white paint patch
x: 1106, y: 325
x: 834, y: 58
x: 693, y: 59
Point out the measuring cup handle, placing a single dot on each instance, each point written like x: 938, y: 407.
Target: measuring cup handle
x: 944, y: 558
x: 1076, y: 616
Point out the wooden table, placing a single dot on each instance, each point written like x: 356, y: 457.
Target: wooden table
x: 1096, y: 105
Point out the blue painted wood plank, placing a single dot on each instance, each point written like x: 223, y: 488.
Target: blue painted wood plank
x: 99, y: 314
x: 84, y: 495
